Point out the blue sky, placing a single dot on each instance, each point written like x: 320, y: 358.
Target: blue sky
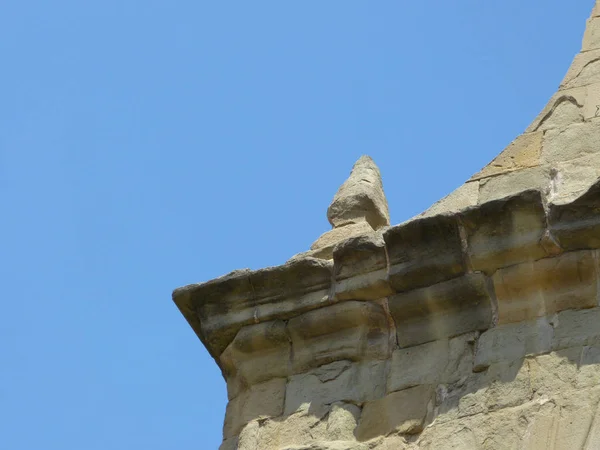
x: 149, y: 145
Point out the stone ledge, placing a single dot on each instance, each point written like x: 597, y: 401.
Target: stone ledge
x: 419, y: 254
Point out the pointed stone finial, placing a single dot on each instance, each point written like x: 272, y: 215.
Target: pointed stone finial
x: 358, y: 207
x: 360, y: 198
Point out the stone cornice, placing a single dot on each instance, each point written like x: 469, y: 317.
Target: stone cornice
x: 411, y: 273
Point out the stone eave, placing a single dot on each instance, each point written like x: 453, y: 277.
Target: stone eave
x: 430, y: 264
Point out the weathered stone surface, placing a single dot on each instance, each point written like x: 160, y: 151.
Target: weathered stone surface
x: 360, y: 198
x: 573, y: 178
x: 444, y: 361
x: 403, y: 412
x: 219, y: 308
x: 260, y: 401
x: 539, y: 288
x: 523, y: 152
x: 341, y: 233
x: 505, y: 232
x: 338, y: 381
x: 443, y: 310
x: 513, y: 183
x: 584, y: 70
x: 360, y: 269
x: 303, y: 428
x: 576, y: 328
x: 565, y: 111
x: 577, y: 225
x: 461, y: 198
x: 591, y: 38
x: 513, y: 341
x: 258, y: 353
x: 424, y: 251
x: 348, y: 330
x: 577, y: 140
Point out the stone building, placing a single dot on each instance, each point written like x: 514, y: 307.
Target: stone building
x: 475, y: 325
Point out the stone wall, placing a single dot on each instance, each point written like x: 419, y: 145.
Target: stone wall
x: 473, y: 326
x: 479, y: 329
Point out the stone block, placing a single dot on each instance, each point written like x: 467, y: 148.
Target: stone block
x: 401, y: 412
x: 514, y: 183
x: 332, y: 237
x: 505, y: 232
x: 522, y: 153
x: 546, y: 286
x: 360, y: 269
x: 360, y: 198
x: 576, y: 328
x: 555, y: 372
x: 258, y: 353
x: 348, y: 330
x: 260, y: 401
x: 511, y: 342
x: 442, y: 310
x: 576, y: 225
x: 340, y: 381
x: 443, y: 361
x: 424, y: 251
x: 217, y: 310
x: 576, y: 140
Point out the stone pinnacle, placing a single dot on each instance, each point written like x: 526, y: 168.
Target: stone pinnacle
x: 359, y: 207
x: 360, y: 198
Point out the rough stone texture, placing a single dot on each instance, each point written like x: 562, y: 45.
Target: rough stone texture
x: 258, y: 353
x: 360, y: 198
x: 505, y: 232
x: 473, y: 326
x: 423, y: 252
x: 523, y: 152
x: 340, y: 381
x: 260, y: 401
x: 349, y: 330
x: 347, y: 231
x: 402, y: 412
x: 544, y: 287
x: 577, y: 225
x: 442, y: 310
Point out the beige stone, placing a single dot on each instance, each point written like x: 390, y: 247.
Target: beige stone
x: 522, y: 153
x: 342, y: 420
x: 584, y: 70
x: 260, y: 401
x: 573, y: 178
x: 402, y: 412
x: 442, y: 361
x: 443, y: 310
x: 341, y: 381
x: 513, y: 183
x: 258, y: 353
x: 340, y: 234
x: 575, y: 141
x: 591, y: 38
x: 360, y: 198
x: 539, y: 288
x: 504, y: 232
x: 511, y: 342
x: 348, y: 330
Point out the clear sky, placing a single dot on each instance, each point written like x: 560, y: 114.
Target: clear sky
x: 148, y: 145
